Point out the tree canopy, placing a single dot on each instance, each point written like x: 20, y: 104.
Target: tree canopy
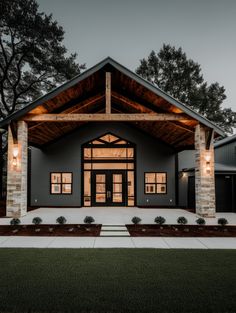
x: 33, y: 59
x: 182, y: 78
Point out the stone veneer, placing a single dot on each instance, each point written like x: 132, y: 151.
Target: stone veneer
x: 204, y: 175
x: 17, y: 174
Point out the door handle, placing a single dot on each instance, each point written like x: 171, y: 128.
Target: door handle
x: 108, y: 194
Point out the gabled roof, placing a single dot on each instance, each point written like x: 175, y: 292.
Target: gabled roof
x: 110, y: 62
x: 225, y: 141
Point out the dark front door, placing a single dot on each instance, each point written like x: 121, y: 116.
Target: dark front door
x: 109, y: 188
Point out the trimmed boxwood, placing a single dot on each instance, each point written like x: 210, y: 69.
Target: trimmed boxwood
x: 136, y: 220
x: 37, y: 220
x: 61, y: 220
x: 160, y: 220
x: 222, y: 221
x: 89, y: 220
x: 15, y: 221
x: 201, y: 221
x: 182, y: 220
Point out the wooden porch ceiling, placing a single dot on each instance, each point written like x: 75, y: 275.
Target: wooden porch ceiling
x: 86, y: 101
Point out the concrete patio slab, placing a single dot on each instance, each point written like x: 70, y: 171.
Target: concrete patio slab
x: 150, y: 242
x: 113, y: 242
x: 184, y: 243
x: 115, y: 215
x: 219, y: 243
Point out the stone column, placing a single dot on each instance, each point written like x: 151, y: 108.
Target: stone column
x: 204, y: 174
x: 17, y: 164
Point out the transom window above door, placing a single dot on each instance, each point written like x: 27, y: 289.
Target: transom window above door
x: 108, y: 147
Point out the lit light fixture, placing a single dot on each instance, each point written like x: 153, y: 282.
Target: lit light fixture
x: 15, y: 152
x: 207, y: 157
x: 182, y: 174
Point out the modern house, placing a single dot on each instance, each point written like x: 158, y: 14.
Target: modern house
x: 106, y: 138
x: 225, y: 176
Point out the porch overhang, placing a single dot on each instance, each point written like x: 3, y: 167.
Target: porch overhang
x: 110, y: 92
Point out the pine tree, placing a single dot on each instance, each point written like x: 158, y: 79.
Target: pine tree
x: 173, y: 72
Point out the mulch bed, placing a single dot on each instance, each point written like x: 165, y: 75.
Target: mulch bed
x: 149, y: 230
x: 67, y: 230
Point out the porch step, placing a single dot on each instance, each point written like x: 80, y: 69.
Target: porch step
x: 114, y: 231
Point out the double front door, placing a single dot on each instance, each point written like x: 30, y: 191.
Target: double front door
x: 109, y: 188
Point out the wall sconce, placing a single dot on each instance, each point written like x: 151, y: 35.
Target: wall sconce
x: 182, y: 174
x: 207, y: 157
x: 15, y: 152
x: 208, y: 164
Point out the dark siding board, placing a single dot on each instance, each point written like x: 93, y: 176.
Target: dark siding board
x: 226, y: 154
x: 65, y: 156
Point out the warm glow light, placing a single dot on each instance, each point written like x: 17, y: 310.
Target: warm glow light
x: 207, y: 157
x: 15, y: 151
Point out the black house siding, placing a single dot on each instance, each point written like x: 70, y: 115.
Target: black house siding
x: 226, y: 154
x: 65, y: 156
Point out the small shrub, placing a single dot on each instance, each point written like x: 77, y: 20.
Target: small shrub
x: 15, y: 221
x: 37, y: 220
x: 160, y: 220
x: 88, y: 220
x: 182, y: 220
x: 136, y: 220
x: 61, y: 220
x: 201, y: 221
x: 222, y: 221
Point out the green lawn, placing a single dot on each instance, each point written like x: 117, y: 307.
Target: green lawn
x: 117, y: 280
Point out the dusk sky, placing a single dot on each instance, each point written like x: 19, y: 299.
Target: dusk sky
x: 128, y: 30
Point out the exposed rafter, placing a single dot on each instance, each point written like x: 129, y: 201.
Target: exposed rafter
x: 133, y: 104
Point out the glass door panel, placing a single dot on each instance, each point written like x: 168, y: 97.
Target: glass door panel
x: 117, y: 188
x: 109, y: 188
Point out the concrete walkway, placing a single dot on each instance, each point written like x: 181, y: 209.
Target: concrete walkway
x: 117, y: 242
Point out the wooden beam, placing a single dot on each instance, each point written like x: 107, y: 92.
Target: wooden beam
x: 108, y: 92
x: 209, y: 138
x: 183, y: 126
x: 79, y: 107
x: 103, y: 117
x: 13, y: 128
x: 133, y: 104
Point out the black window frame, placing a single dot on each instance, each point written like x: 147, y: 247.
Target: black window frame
x: 155, y: 183
x: 61, y: 183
